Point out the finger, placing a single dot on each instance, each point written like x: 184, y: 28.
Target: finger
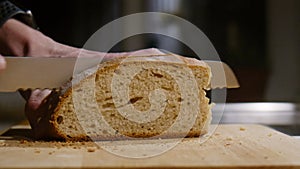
x: 83, y: 53
x: 36, y: 98
x: 34, y: 104
x: 25, y: 93
x: 144, y: 52
x: 105, y: 56
x: 2, y: 63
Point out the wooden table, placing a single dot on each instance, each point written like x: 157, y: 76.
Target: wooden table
x: 229, y: 146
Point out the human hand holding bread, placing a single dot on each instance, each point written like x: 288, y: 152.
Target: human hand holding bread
x: 34, y: 98
x: 18, y: 39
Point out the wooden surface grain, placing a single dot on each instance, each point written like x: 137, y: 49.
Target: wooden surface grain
x: 229, y: 146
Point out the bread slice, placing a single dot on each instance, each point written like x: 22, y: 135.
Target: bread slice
x: 128, y: 98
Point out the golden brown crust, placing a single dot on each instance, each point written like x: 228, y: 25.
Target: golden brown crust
x: 47, y: 127
x: 43, y: 125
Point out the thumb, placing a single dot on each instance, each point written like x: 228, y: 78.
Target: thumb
x: 2, y: 63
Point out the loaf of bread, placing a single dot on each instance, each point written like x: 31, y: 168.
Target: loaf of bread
x: 130, y: 98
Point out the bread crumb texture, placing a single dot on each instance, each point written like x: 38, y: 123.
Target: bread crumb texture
x: 90, y: 110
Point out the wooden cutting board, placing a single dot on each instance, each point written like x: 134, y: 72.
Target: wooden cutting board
x: 229, y: 146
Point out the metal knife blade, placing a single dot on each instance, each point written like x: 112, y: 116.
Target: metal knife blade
x: 32, y: 72
x: 222, y: 75
x: 41, y: 72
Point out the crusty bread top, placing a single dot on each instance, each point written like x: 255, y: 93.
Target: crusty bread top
x: 168, y: 58
x: 199, y: 68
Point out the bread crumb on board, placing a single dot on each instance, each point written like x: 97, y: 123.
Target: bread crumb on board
x: 91, y: 149
x: 76, y: 145
x: 23, y: 141
x: 51, y: 152
x: 37, y: 151
x: 217, y: 134
x: 54, y: 145
x: 242, y: 129
x: 227, y: 144
x: 229, y: 139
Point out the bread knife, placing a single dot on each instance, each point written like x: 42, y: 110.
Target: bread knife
x: 41, y: 72
x: 52, y: 73
x: 222, y: 75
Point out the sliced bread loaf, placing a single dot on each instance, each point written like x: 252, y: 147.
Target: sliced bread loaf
x: 131, y: 97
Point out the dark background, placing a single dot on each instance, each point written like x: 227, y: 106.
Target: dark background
x: 241, y: 31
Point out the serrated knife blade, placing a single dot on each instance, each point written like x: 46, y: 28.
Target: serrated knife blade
x: 41, y: 72
x: 51, y: 73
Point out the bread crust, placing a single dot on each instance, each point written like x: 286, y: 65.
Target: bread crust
x: 46, y: 125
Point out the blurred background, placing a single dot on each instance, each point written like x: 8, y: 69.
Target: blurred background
x: 259, y: 39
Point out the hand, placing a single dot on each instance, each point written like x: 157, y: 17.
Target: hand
x: 35, y: 98
x: 17, y: 39
x: 34, y: 105
x: 2, y: 63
